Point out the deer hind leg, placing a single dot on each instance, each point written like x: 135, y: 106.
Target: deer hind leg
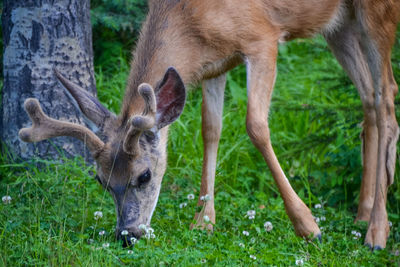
x: 377, y: 43
x: 212, y: 106
x: 261, y: 72
x: 345, y: 45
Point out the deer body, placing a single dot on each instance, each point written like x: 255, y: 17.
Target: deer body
x: 201, y: 40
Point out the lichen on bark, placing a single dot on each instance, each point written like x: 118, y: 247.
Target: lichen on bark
x: 38, y: 37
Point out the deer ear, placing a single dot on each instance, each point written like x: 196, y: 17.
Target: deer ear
x: 171, y: 96
x: 88, y: 104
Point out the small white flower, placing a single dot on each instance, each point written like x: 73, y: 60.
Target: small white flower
x: 6, y: 199
x: 149, y: 230
x: 190, y: 196
x: 205, y: 198
x: 206, y: 218
x: 317, y: 219
x: 299, y: 262
x: 124, y: 232
x: 133, y: 240
x: 102, y: 233
x: 390, y: 224
x: 317, y: 206
x: 246, y: 233
x: 241, y: 245
x: 130, y: 251
x: 182, y: 205
x: 98, y: 215
x: 268, y: 226
x: 203, y: 261
x: 253, y: 257
x: 356, y: 235
x: 143, y: 227
x: 323, y: 218
x: 106, y: 245
x: 90, y: 241
x: 251, y: 213
x: 149, y: 236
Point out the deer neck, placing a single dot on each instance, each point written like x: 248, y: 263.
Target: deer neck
x: 163, y: 43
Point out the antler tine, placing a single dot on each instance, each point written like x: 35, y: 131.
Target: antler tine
x: 44, y: 127
x: 147, y: 92
x: 139, y: 124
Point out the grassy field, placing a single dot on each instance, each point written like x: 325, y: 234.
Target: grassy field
x: 314, y: 121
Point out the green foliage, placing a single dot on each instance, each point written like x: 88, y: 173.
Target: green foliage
x: 50, y: 221
x: 118, y: 15
x: 314, y: 120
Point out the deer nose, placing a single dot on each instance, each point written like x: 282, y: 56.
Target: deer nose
x: 129, y: 236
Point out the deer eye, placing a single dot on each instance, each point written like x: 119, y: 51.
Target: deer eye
x: 144, y: 177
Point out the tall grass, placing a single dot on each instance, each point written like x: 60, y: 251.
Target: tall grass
x: 314, y: 121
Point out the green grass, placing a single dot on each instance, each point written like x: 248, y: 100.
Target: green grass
x: 314, y: 124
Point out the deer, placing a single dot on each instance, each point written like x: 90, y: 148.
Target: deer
x: 184, y: 42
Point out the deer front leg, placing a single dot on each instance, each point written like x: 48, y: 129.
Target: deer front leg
x: 212, y: 106
x: 261, y: 72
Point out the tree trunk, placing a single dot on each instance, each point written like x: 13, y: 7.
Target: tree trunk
x: 40, y: 35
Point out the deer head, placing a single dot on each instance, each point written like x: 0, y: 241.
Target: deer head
x: 131, y: 158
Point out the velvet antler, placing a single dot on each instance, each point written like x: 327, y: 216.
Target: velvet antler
x: 141, y: 123
x: 44, y: 127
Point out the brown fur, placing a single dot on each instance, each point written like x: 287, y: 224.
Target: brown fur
x: 202, y: 39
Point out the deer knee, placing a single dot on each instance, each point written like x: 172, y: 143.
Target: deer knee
x: 258, y: 131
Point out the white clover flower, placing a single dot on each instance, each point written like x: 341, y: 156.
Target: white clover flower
x: 253, y: 257
x: 322, y: 218
x: 241, y: 245
x: 317, y: 206
x: 203, y: 261
x: 205, y: 198
x: 190, y: 196
x: 133, y: 240
x: 251, y: 214
x: 149, y: 236
x: 268, y: 226
x: 149, y: 230
x: 124, y: 232
x: 130, y: 251
x: 390, y: 224
x: 246, y: 233
x: 143, y: 227
x: 98, y: 215
x: 102, y: 233
x: 316, y: 219
x: 299, y: 262
x: 206, y: 218
x: 356, y: 235
x: 6, y: 199
x: 106, y: 245
x: 182, y: 205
